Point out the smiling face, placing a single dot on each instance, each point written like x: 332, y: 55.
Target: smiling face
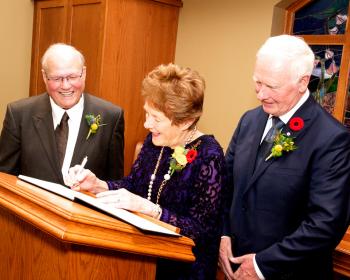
x: 64, y: 77
x: 164, y: 133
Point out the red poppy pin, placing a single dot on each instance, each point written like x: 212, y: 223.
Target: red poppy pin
x: 296, y: 124
x: 191, y: 155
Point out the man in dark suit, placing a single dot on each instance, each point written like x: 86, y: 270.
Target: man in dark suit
x: 290, y: 205
x: 28, y: 142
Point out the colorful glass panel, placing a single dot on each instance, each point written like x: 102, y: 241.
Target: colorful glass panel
x: 324, y: 80
x: 347, y: 108
x: 321, y: 17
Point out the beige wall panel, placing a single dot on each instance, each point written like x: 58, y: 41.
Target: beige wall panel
x: 16, y: 22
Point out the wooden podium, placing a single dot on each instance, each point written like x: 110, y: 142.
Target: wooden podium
x: 341, y: 257
x: 45, y: 236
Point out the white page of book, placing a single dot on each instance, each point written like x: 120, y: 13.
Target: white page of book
x: 122, y: 214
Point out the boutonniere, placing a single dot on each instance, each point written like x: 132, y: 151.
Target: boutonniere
x: 281, y: 143
x: 182, y: 156
x: 284, y: 142
x: 94, y: 122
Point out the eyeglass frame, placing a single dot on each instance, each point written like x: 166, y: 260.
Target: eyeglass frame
x: 60, y: 79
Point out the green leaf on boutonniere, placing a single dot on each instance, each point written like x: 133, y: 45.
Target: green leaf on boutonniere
x: 94, y: 122
x: 281, y: 143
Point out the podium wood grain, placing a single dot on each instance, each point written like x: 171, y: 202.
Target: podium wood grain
x: 341, y: 257
x: 45, y: 236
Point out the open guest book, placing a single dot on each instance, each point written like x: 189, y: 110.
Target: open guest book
x: 140, y: 221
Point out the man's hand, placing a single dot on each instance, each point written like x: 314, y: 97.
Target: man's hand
x: 225, y: 257
x: 246, y: 270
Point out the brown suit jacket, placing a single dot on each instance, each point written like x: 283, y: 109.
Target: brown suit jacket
x: 28, y: 147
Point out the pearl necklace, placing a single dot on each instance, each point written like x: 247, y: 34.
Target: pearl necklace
x: 167, y: 175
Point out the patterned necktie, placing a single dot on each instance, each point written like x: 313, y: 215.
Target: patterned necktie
x: 267, y: 144
x: 61, y: 134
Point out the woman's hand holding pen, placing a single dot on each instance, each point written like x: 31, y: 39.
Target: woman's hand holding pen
x: 81, y: 179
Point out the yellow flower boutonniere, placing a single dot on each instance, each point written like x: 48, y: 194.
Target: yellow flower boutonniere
x: 281, y: 143
x: 94, y: 122
x: 181, y: 157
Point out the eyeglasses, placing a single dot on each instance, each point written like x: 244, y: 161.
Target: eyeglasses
x: 71, y: 79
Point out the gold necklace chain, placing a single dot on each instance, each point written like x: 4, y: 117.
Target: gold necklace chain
x: 161, y: 187
x: 189, y: 139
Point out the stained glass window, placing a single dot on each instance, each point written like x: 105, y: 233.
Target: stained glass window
x: 324, y: 80
x: 323, y: 24
x: 321, y: 17
x: 347, y: 108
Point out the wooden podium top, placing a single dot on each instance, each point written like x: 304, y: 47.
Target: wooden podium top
x: 71, y: 222
x: 341, y: 256
x: 344, y: 245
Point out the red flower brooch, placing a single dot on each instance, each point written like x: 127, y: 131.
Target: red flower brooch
x: 191, y: 155
x: 296, y: 124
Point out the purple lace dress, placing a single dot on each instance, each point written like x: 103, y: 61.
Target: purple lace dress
x: 192, y: 200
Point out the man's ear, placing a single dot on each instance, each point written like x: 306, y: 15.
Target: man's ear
x: 43, y: 73
x: 84, y: 72
x: 303, y: 83
x: 44, y: 76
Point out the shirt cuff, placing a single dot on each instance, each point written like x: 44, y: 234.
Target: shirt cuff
x: 257, y: 270
x: 225, y: 236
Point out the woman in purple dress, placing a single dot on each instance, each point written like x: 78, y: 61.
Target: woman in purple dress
x: 179, y: 173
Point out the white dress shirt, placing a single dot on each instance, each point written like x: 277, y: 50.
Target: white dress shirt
x: 75, y: 114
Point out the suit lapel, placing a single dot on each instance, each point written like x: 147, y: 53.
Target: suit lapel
x: 305, y: 112
x: 257, y: 132
x: 82, y: 145
x: 43, y: 124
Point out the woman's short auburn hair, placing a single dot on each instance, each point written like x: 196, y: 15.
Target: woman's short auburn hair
x: 175, y: 91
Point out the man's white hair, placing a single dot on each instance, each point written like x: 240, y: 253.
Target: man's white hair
x: 288, y: 53
x: 61, y: 51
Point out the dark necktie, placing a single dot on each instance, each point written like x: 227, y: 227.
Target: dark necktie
x: 61, y: 134
x: 267, y: 144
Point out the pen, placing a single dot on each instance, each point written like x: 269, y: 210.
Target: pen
x: 82, y: 165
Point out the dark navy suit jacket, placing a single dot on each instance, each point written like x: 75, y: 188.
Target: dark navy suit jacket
x: 292, y: 210
x: 28, y: 145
